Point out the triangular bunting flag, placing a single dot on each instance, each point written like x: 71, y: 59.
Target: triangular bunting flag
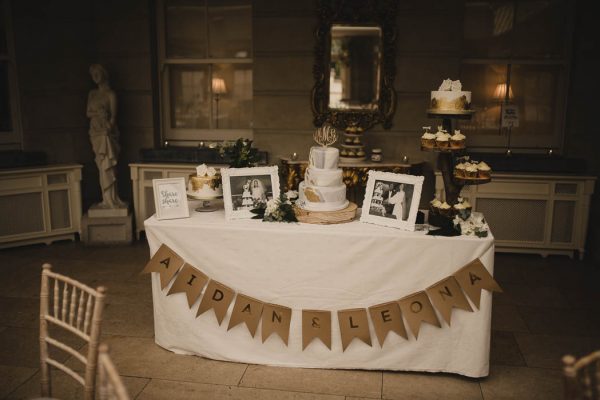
x: 473, y: 277
x: 166, y: 262
x: 189, y: 281
x: 387, y: 318
x: 445, y: 295
x: 354, y: 324
x: 247, y: 310
x: 417, y: 308
x: 276, y: 319
x: 316, y: 324
x: 218, y: 297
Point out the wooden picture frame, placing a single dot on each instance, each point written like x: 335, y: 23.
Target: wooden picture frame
x: 170, y: 198
x: 392, y: 200
x: 247, y: 188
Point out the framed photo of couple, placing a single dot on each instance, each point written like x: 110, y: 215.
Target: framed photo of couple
x: 247, y: 188
x: 392, y: 200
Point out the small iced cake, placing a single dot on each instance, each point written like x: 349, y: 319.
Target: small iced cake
x: 206, y: 183
x: 428, y: 138
x: 450, y: 97
x: 484, y: 170
x: 457, y: 141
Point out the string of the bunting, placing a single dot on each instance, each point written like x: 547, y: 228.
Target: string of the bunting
x: 417, y: 308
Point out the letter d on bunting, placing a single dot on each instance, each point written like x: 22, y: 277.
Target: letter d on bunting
x: 218, y: 297
x: 473, y: 277
x: 166, y: 262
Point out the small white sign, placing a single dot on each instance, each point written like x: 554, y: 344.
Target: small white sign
x: 510, y: 116
x: 170, y: 199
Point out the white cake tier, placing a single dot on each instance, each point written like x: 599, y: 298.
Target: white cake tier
x: 323, y: 177
x: 322, y: 198
x: 450, y: 100
x: 324, y: 157
x: 205, y: 186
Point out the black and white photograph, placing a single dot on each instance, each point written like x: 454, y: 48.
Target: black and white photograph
x: 392, y: 199
x: 245, y: 189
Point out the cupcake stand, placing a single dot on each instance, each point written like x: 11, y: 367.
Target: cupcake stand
x: 447, y: 157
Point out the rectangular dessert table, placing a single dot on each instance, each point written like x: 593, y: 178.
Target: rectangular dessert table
x: 332, y: 267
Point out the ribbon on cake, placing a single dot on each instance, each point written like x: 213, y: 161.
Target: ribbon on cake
x: 454, y: 291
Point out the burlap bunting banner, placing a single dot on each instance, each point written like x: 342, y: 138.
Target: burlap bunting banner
x: 417, y: 308
x: 189, y: 281
x: 218, y: 297
x: 166, y: 262
x: 316, y: 324
x: 354, y: 324
x: 246, y: 310
x: 473, y: 277
x: 445, y: 295
x: 387, y: 318
x: 276, y: 319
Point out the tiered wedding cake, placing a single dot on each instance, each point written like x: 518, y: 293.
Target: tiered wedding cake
x: 323, y: 188
x: 450, y: 97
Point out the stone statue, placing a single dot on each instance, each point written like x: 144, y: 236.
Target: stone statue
x: 104, y: 136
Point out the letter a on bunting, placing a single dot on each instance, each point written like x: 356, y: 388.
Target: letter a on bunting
x: 166, y: 262
x: 247, y: 310
x: 473, y: 277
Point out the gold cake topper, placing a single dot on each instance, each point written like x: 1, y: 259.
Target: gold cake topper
x: 325, y: 135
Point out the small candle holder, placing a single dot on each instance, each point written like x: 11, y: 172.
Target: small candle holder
x: 294, y: 156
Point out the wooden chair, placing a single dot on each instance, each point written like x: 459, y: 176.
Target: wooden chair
x: 109, y: 382
x: 76, y: 308
x: 582, y: 377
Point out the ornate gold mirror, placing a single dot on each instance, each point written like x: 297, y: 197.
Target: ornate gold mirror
x: 354, y: 63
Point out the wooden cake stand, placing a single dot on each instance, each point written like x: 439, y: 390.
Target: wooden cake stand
x: 326, y: 217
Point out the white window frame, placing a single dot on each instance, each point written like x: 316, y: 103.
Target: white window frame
x: 12, y: 139
x: 189, y: 137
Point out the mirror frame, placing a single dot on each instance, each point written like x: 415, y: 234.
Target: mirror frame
x: 380, y: 13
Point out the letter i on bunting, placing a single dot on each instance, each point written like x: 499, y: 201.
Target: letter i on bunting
x: 387, y: 318
x: 473, y: 277
x: 166, y: 262
x: 354, y: 324
x: 417, y: 308
x: 276, y: 319
x: 218, y: 297
x: 316, y: 324
x: 189, y: 281
x: 247, y: 310
x: 445, y: 295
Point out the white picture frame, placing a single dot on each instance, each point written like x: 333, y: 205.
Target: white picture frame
x: 170, y: 198
x: 392, y: 200
x: 239, y: 200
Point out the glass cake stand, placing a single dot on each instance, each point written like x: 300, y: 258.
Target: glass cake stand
x: 206, y: 205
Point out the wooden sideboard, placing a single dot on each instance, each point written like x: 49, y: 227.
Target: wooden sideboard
x: 533, y: 213
x: 40, y: 204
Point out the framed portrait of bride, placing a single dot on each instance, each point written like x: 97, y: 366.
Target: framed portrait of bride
x: 392, y: 200
x: 245, y: 189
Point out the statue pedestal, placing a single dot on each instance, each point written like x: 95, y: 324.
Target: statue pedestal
x: 96, y: 211
x: 106, y: 230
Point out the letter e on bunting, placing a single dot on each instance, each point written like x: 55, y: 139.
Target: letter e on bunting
x: 189, y: 281
x: 354, y: 324
x: 387, y: 318
x: 247, y: 310
x: 417, y: 308
x: 445, y: 295
x: 316, y: 324
x: 473, y: 277
x: 276, y: 319
x: 218, y: 297
x: 166, y: 262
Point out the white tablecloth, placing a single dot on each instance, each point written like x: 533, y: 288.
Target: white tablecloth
x: 333, y: 267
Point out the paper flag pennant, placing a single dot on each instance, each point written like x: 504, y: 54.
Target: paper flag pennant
x: 417, y: 308
x: 166, y: 262
x: 247, y: 310
x: 189, y: 281
x: 445, y: 295
x: 387, y: 318
x: 276, y: 319
x: 316, y: 324
x: 218, y: 297
x: 354, y: 324
x: 473, y: 277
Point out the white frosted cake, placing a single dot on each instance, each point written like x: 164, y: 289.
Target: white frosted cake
x: 450, y: 97
x: 323, y: 188
x: 206, y: 183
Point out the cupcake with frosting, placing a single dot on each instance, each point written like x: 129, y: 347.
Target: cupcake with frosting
x: 484, y: 170
x: 442, y: 139
x: 445, y: 209
x: 462, y: 209
x: 434, y: 206
x: 471, y: 171
x: 428, y: 138
x: 457, y: 141
x: 459, y: 170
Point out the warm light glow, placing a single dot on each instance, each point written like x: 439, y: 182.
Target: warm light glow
x: 218, y: 86
x: 500, y: 92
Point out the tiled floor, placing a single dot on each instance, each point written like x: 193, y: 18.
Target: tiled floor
x: 550, y: 307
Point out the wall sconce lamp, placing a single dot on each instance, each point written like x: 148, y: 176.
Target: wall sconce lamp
x: 500, y: 93
x: 218, y: 88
